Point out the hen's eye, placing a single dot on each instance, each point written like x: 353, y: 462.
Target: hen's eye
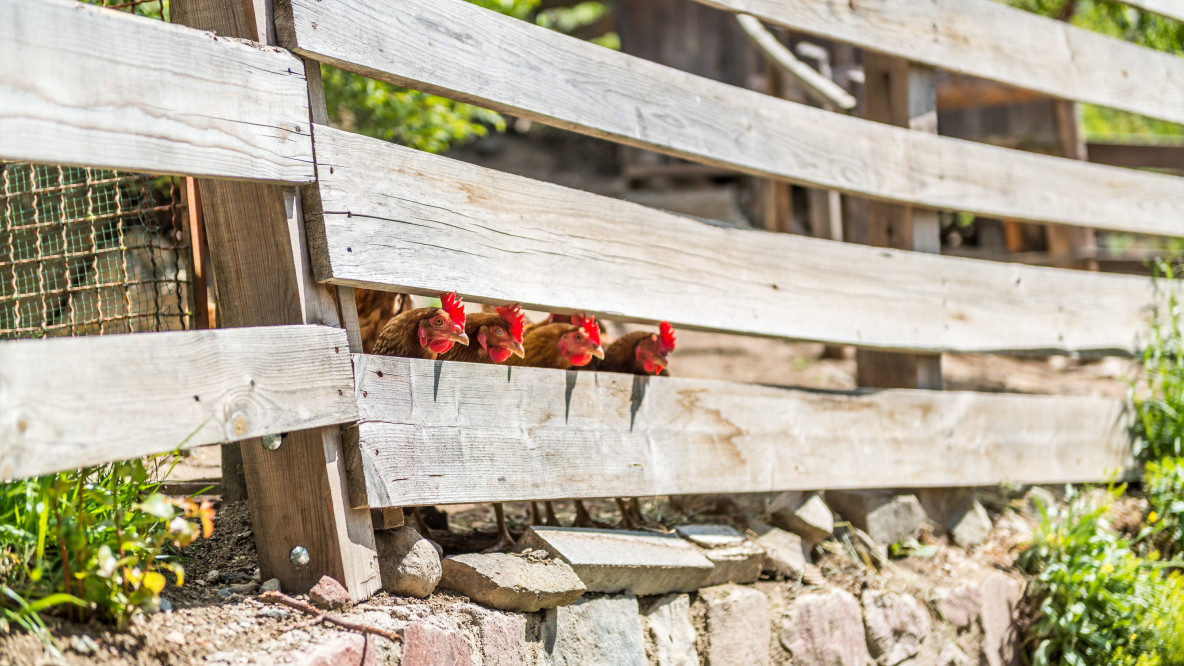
x: 439, y: 321
x: 497, y: 330
x: 579, y: 337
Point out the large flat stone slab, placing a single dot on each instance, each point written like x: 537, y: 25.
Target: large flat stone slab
x: 512, y: 582
x: 737, y: 558
x: 615, y: 561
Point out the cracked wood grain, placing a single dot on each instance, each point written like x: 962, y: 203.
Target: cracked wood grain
x: 439, y: 432
x: 990, y: 40
x: 72, y: 402
x: 400, y: 219
x: 77, y: 87
x: 449, y: 47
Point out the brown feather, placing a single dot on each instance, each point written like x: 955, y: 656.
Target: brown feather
x: 400, y: 336
x: 474, y: 353
x: 620, y: 357
x: 375, y: 309
x: 542, y: 347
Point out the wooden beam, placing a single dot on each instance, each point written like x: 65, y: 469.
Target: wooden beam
x: 545, y: 76
x: 990, y: 40
x: 1067, y: 245
x: 1173, y: 9
x: 459, y: 432
x: 75, y: 88
x: 1139, y: 156
x: 73, y: 402
x: 400, y: 219
x: 903, y: 94
x: 819, y: 87
x: 297, y: 492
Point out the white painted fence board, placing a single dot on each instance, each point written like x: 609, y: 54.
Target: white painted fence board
x: 72, y: 402
x: 401, y: 219
x: 439, y: 432
x: 990, y: 40
x: 97, y: 87
x: 472, y: 54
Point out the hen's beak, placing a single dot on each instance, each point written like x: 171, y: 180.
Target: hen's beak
x: 517, y: 349
x: 597, y: 352
x: 459, y: 337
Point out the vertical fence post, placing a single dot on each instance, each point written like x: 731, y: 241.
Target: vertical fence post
x: 904, y: 94
x: 304, y: 526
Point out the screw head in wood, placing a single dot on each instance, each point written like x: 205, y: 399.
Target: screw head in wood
x: 299, y: 556
x: 272, y: 442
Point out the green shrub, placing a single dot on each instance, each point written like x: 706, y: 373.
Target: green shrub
x: 91, y: 544
x: 1085, y: 580
x: 1159, y: 408
x: 1163, y: 486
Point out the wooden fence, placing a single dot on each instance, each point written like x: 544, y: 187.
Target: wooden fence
x: 326, y: 211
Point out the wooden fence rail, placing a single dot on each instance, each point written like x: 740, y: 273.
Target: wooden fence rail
x: 72, y: 402
x: 990, y: 40
x: 450, y: 46
x: 93, y: 87
x: 395, y: 218
x: 436, y: 432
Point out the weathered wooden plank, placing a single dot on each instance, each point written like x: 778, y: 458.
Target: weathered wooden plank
x: 96, y: 87
x: 257, y: 234
x: 476, y: 55
x: 456, y: 432
x: 397, y: 218
x: 1170, y: 8
x: 73, y: 402
x: 993, y: 41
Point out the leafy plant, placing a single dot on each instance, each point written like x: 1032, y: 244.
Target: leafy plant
x: 91, y: 544
x: 1085, y: 579
x: 1163, y: 486
x: 1159, y: 409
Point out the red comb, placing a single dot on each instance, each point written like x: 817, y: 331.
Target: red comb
x: 666, y: 336
x: 514, y: 318
x: 591, y: 328
x: 454, y: 307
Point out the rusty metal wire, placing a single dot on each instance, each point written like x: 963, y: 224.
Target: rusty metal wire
x: 91, y: 251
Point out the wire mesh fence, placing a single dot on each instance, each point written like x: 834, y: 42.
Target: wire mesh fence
x: 91, y: 251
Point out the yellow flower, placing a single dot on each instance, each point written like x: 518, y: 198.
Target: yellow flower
x: 1152, y: 517
x: 1107, y: 568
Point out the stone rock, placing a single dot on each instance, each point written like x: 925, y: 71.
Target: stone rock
x: 329, y: 594
x: 245, y: 588
x: 670, y: 636
x: 959, y: 605
x: 270, y: 585
x: 213, y: 575
x: 970, y: 527
x: 338, y: 649
x: 502, y: 636
x: 428, y: 645
x: 807, y: 516
x: 825, y: 629
x: 951, y: 655
x: 639, y: 562
x: 1035, y: 498
x: 895, y: 625
x: 885, y: 516
x: 785, y: 553
x: 737, y: 625
x: 736, y: 558
x: 512, y: 582
x: 1000, y: 619
x: 957, y: 512
x: 83, y: 644
x: 597, y: 630
x: 407, y: 562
